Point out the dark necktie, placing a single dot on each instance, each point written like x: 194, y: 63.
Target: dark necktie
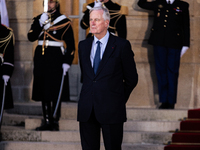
x: 97, y: 57
x: 169, y: 2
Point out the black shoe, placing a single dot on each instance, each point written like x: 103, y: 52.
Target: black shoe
x: 55, y: 126
x: 45, y: 127
x: 163, y: 106
x: 170, y: 106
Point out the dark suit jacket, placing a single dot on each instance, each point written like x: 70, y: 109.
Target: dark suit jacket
x: 171, y: 27
x: 108, y: 91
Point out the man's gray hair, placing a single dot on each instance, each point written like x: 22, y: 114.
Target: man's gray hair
x: 106, y: 14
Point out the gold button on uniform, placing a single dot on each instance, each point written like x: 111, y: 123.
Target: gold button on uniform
x: 164, y: 26
x: 166, y: 15
x: 165, y: 20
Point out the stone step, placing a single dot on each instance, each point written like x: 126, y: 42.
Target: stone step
x: 152, y: 114
x: 16, y: 120
x: 69, y: 111
x: 152, y: 126
x: 69, y: 146
x: 11, y: 133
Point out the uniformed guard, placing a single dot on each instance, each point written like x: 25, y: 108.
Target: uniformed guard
x: 170, y: 36
x: 6, y: 67
x: 53, y: 56
x: 117, y: 18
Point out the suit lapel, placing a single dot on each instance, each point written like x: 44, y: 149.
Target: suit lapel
x: 107, y: 53
x: 87, y: 59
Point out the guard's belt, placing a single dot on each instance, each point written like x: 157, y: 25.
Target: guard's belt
x: 53, y: 43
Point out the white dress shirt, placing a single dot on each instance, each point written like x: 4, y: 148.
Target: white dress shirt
x: 103, y: 44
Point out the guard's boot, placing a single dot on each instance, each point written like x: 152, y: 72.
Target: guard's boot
x: 48, y: 121
x: 56, y: 117
x: 55, y: 126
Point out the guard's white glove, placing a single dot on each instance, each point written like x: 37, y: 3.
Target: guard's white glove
x: 65, y: 68
x: 43, y: 18
x: 183, y: 50
x: 5, y: 78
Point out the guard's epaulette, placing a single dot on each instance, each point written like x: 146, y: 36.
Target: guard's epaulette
x: 10, y: 29
x: 117, y: 3
x: 69, y: 19
x: 84, y: 7
x: 124, y: 10
x: 7, y: 27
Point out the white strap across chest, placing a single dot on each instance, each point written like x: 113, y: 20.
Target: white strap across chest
x: 48, y: 25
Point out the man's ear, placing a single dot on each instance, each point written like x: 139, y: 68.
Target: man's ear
x: 107, y: 23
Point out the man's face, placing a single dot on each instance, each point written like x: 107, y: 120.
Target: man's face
x: 51, y: 5
x: 98, y: 26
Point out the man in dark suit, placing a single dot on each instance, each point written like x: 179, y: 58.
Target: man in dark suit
x: 117, y: 20
x: 170, y: 36
x: 109, y: 76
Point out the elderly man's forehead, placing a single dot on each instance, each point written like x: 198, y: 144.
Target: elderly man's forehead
x: 98, y: 12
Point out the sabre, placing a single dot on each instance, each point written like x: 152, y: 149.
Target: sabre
x: 46, y: 6
x: 60, y: 92
x: 2, y: 106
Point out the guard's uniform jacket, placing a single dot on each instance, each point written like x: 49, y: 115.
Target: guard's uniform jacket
x: 6, y: 63
x: 55, y: 47
x: 171, y: 27
x: 117, y: 18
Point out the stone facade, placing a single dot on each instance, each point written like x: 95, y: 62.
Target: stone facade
x: 139, y: 22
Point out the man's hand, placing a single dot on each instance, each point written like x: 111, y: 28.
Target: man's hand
x: 5, y: 78
x: 43, y: 18
x: 65, y: 68
x: 183, y: 50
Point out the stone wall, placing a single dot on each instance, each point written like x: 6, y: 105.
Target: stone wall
x: 139, y: 22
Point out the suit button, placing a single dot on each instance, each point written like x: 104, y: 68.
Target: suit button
x: 165, y: 20
x: 164, y: 26
x: 178, y: 34
x: 166, y: 15
x: 167, y: 10
x: 94, y: 81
